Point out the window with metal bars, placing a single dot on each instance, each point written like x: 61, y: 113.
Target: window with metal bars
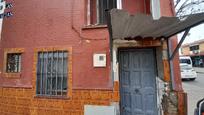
x: 13, y: 63
x: 97, y: 10
x: 52, y: 73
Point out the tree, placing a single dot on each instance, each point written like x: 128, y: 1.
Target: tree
x: 187, y: 7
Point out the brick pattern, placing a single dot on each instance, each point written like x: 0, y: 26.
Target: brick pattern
x: 182, y: 103
x: 19, y: 101
x: 22, y: 101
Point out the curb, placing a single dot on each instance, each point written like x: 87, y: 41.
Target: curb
x: 199, y: 72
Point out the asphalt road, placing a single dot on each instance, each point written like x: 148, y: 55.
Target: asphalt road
x: 195, y: 91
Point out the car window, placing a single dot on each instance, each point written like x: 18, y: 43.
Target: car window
x: 185, y: 61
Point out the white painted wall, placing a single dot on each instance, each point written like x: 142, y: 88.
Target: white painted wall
x: 99, y: 110
x: 119, y: 4
x: 155, y: 8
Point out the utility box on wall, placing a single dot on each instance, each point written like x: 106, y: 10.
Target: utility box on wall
x: 99, y: 60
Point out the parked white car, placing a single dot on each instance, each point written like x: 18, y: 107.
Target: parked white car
x: 187, y: 71
x: 186, y: 60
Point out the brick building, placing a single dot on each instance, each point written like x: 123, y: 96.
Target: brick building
x: 55, y: 59
x: 195, y: 50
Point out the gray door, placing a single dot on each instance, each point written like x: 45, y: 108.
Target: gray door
x: 137, y: 82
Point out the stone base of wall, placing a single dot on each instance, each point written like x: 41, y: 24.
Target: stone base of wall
x: 175, y: 103
x: 18, y: 101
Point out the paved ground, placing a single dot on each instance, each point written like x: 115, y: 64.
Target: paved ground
x: 199, y: 70
x: 195, y: 90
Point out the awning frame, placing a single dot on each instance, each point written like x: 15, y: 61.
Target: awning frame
x: 179, y: 44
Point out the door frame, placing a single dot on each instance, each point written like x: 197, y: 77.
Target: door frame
x: 155, y: 69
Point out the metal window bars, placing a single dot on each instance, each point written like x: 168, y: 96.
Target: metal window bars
x: 13, y: 63
x: 52, y: 73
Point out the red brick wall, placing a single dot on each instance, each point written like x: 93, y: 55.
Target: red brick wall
x: 166, y: 10
x: 136, y: 6
x: 46, y: 23
x: 21, y: 101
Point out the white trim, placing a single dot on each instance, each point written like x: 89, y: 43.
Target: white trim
x: 88, y: 12
x: 119, y: 4
x: 155, y: 8
x: 97, y: 12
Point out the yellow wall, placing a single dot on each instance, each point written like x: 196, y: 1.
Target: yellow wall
x: 202, y: 47
x: 185, y: 51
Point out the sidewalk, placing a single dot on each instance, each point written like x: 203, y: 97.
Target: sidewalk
x: 199, y: 69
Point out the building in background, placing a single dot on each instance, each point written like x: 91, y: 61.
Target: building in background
x: 196, y: 51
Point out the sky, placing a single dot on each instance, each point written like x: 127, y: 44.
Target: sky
x: 196, y: 33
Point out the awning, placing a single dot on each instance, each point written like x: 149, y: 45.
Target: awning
x: 122, y: 25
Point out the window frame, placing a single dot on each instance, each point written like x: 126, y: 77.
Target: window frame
x: 18, y: 69
x: 89, y: 10
x: 194, y: 47
x: 69, y: 70
x: 12, y: 51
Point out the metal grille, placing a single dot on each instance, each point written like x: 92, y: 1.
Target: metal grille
x: 52, y: 73
x: 13, y: 63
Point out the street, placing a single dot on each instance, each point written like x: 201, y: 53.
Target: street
x: 195, y: 91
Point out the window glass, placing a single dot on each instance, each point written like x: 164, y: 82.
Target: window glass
x: 187, y: 61
x: 196, y: 47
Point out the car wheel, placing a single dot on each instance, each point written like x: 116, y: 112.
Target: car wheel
x: 192, y: 79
